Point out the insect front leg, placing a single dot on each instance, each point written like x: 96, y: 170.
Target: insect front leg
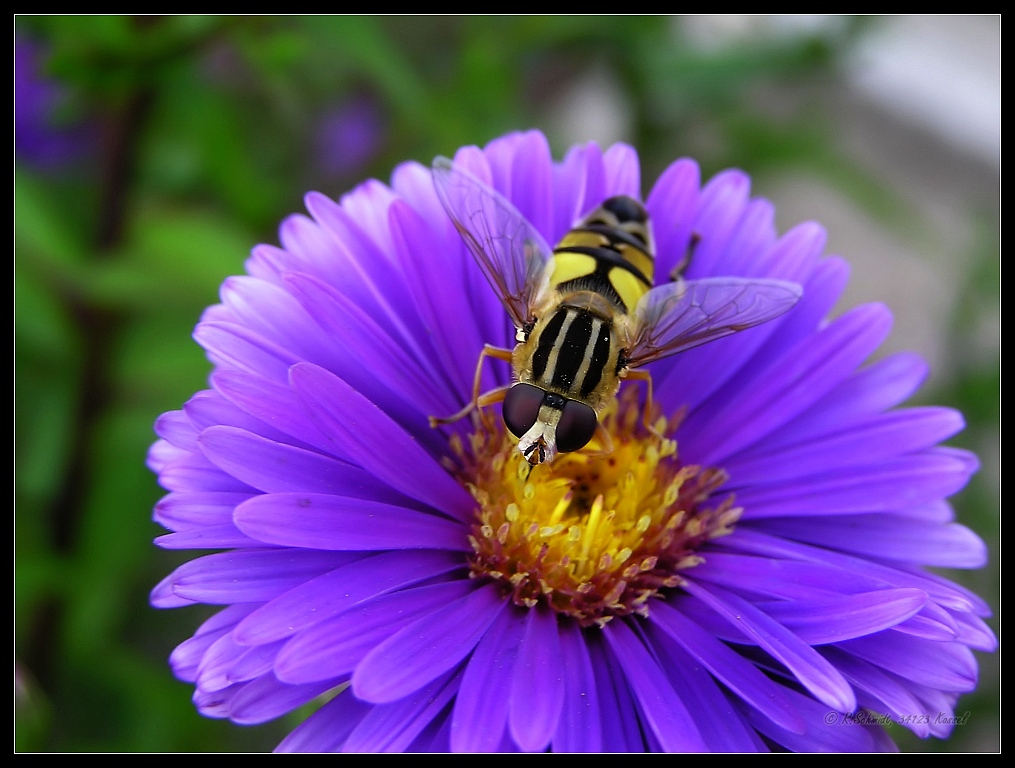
x: 495, y: 395
x: 645, y: 376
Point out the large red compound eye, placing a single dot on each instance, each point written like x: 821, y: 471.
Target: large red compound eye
x: 521, y: 408
x: 576, y: 426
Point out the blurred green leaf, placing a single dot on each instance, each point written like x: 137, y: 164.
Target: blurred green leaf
x: 43, y: 331
x: 361, y: 41
x: 43, y: 419
x: 159, y: 365
x: 171, y: 261
x: 40, y: 229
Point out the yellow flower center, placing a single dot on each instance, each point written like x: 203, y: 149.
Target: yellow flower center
x: 596, y: 533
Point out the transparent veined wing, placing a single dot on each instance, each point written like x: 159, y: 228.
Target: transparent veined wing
x: 678, y: 316
x: 509, y: 250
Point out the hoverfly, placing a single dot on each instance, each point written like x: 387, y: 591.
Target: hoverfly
x: 586, y: 313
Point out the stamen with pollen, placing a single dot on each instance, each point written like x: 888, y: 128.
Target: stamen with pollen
x: 592, y: 535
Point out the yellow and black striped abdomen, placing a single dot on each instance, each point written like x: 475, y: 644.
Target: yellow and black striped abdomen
x: 609, y: 253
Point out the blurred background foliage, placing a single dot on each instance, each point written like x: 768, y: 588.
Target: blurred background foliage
x: 151, y: 154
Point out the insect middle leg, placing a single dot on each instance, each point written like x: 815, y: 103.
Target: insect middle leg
x: 480, y: 401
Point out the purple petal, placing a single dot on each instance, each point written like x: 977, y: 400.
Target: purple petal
x: 215, y: 703
x: 783, y: 579
x: 248, y: 576
x: 277, y: 467
x: 579, y: 186
x: 365, y: 215
x: 336, y: 646
x: 791, y: 384
x: 829, y: 620
x: 670, y: 205
x: 481, y: 709
x: 193, y: 472
x: 371, y: 355
x: 266, y: 698
x: 869, y: 391
x: 272, y: 403
x: 436, y: 737
x: 794, y: 257
x: 187, y: 655
x: 176, y: 428
x: 530, y: 182
x: 733, y: 670
x: 162, y: 454
x: 328, y: 727
x: 905, y: 481
x: 254, y: 662
x: 946, y: 593
x: 271, y: 311
x: 319, y: 521
x: 882, y: 437
x: 622, y: 732
x: 235, y: 347
x: 310, y: 247
x: 441, y: 304
x: 813, y: 671
x: 354, y: 261
x: 579, y: 729
x: 413, y: 183
x: 720, y: 208
x: 939, y: 511
x: 949, y: 589
x: 720, y: 725
x: 753, y: 240
x: 476, y: 162
x: 537, y: 684
x: 931, y: 623
x: 937, y: 702
x: 183, y: 511
x: 834, y: 734
x: 942, y: 666
x: 427, y: 648
x: 701, y: 372
x: 795, y: 254
x: 358, y: 429
x: 267, y: 262
x: 623, y: 172
x: 318, y: 599
x: 393, y: 727
x: 216, y: 663
x: 888, y: 537
x: 973, y: 632
x: 225, y: 536
x: 890, y: 690
x: 711, y: 622
x: 661, y: 706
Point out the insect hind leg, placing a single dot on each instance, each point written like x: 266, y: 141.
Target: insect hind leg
x: 480, y: 401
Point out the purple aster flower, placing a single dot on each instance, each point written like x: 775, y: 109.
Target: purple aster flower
x: 38, y: 139
x: 748, y: 575
x: 349, y: 136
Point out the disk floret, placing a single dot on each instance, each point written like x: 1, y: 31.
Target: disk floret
x: 593, y: 534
